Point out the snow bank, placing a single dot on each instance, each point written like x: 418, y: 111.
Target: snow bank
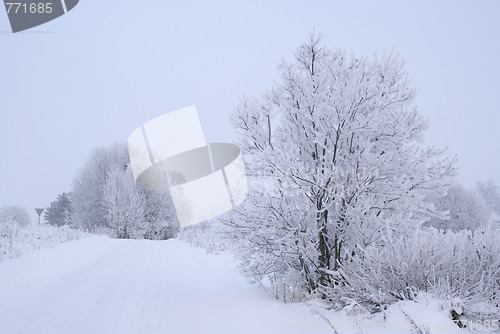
x: 16, y: 241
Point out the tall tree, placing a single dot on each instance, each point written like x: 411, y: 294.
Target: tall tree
x: 87, y: 186
x: 334, y: 157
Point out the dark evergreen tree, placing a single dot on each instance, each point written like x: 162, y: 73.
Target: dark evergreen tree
x: 60, y: 211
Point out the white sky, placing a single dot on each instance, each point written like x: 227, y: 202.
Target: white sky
x: 92, y: 76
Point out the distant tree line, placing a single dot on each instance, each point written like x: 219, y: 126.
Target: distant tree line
x: 105, y: 198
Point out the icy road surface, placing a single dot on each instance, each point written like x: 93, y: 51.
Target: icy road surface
x: 99, y: 285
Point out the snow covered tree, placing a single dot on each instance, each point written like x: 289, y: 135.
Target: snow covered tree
x: 159, y: 215
x: 491, y: 194
x: 105, y: 195
x: 60, y: 211
x: 334, y: 159
x: 467, y: 210
x: 87, y: 191
x: 16, y: 214
x: 123, y: 205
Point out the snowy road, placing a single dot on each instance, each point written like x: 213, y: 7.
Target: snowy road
x: 99, y: 285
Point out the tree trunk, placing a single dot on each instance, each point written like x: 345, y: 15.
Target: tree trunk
x: 310, y: 284
x: 323, y: 248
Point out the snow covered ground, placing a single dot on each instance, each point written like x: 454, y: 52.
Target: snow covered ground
x: 100, y: 285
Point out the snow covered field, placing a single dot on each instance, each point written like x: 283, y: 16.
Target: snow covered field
x: 100, y: 285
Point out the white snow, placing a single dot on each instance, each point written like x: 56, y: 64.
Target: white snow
x: 100, y: 285
x: 16, y: 241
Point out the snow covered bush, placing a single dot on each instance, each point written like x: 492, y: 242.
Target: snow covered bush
x: 462, y: 267
x: 210, y: 236
x: 16, y: 240
x: 8, y: 232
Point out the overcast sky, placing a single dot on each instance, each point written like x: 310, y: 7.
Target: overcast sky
x: 89, y: 78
